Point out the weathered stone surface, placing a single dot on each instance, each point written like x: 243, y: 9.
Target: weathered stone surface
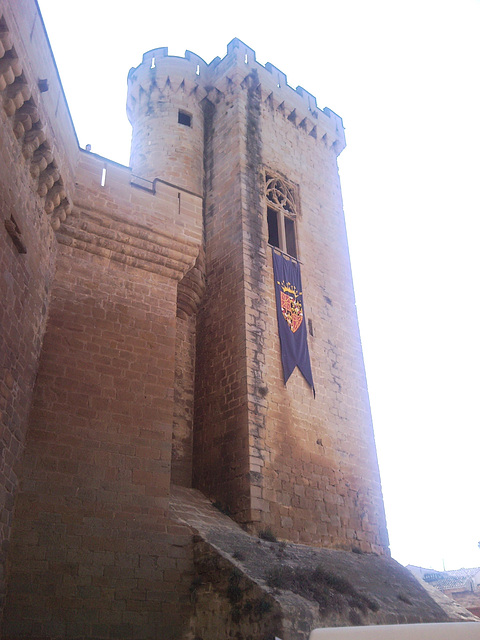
x: 260, y: 588
x: 139, y: 347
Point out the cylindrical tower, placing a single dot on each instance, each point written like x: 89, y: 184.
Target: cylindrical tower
x: 163, y: 106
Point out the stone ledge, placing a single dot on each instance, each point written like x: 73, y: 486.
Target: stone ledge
x: 158, y: 252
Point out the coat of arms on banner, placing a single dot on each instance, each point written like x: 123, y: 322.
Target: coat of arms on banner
x: 291, y: 327
x: 292, y: 309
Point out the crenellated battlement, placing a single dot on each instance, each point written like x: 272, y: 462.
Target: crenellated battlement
x: 150, y: 58
x: 298, y: 105
x: 196, y: 78
x: 167, y: 73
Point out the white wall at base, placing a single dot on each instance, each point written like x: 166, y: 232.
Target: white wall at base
x: 433, y: 631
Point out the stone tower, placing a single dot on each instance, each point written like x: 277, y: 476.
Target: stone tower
x: 264, y: 157
x: 164, y: 92
x: 140, y: 370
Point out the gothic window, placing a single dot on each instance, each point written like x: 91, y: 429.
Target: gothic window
x: 281, y: 214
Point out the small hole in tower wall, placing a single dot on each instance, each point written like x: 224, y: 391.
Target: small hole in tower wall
x: 246, y: 58
x: 184, y: 118
x: 310, y: 327
x: 152, y: 66
x: 104, y: 177
x: 198, y: 70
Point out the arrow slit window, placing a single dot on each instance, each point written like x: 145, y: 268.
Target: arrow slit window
x: 281, y: 199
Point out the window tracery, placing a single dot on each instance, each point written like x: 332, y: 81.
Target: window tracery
x: 281, y: 213
x: 280, y: 194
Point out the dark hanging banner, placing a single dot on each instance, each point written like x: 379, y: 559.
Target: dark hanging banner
x: 290, y: 315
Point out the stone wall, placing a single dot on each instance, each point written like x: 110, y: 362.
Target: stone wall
x: 94, y: 551
x: 182, y: 432
x: 320, y: 475
x: 27, y: 262
x: 38, y: 153
x: 221, y: 428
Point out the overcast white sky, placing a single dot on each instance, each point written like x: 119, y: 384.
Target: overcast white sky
x: 404, y: 76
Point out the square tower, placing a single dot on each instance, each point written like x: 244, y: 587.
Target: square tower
x: 270, y: 453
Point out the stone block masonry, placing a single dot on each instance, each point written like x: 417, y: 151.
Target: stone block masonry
x: 273, y: 455
x: 95, y: 492
x: 34, y: 171
x: 92, y: 532
x: 139, y: 351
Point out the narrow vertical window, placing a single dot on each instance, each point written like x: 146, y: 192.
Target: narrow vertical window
x: 290, y: 241
x: 272, y: 219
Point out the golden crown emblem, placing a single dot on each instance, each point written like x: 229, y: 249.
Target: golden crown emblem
x: 288, y: 287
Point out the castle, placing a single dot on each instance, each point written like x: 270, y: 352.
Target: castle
x: 141, y: 370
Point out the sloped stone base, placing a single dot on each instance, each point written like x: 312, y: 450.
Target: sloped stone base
x: 251, y: 588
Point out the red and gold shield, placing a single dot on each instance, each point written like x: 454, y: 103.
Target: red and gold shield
x: 292, y: 311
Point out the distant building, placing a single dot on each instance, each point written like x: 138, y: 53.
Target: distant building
x: 462, y: 585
